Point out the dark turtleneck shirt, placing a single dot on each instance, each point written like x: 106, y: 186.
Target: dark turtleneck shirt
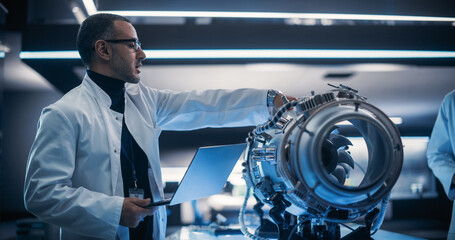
x: 131, y: 152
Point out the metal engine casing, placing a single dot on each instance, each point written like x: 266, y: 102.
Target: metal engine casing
x: 286, y: 156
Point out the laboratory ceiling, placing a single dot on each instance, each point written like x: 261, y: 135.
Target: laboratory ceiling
x: 406, y: 86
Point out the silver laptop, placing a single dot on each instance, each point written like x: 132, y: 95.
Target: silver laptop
x: 207, y: 173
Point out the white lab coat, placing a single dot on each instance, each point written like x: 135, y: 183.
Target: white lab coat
x: 441, y: 148
x: 73, y: 176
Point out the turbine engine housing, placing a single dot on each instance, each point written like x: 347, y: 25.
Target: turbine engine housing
x: 331, y: 156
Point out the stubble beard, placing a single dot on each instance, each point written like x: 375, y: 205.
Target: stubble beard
x: 122, y: 69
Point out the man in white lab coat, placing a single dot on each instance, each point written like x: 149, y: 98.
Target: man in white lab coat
x: 441, y: 149
x: 94, y: 164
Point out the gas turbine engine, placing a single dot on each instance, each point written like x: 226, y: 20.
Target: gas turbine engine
x: 322, y: 161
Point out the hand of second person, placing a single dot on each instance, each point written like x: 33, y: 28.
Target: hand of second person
x: 134, y: 211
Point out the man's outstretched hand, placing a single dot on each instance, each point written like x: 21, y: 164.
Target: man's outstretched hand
x: 134, y: 211
x: 278, y: 101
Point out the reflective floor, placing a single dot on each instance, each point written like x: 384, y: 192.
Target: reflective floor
x: 195, y: 233
x: 396, y: 229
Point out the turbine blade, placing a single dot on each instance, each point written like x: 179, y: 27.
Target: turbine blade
x: 339, y: 174
x: 335, y: 130
x: 329, y: 156
x: 345, y: 167
x: 335, y: 179
x: 344, y: 157
x: 339, y: 140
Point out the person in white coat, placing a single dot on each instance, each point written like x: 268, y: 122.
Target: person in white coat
x: 94, y: 165
x: 441, y: 149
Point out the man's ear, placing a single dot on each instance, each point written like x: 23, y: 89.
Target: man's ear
x: 103, y: 50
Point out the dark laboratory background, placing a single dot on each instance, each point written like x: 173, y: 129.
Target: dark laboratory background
x: 410, y: 89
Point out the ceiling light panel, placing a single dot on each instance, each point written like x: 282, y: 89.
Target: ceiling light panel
x: 258, y: 53
x: 92, y: 9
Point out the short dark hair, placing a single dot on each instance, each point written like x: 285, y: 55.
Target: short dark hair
x: 95, y: 27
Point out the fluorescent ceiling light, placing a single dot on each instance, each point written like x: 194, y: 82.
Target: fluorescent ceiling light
x: 2, y: 54
x: 259, y: 54
x: 91, y: 9
x: 283, y: 15
x: 49, y: 55
x: 294, y: 54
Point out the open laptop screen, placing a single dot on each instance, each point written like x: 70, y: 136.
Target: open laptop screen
x: 207, y: 173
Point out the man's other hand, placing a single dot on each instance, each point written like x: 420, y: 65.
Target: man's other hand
x: 134, y: 211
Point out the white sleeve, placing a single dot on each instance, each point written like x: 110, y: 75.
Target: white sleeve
x: 211, y: 108
x: 440, y: 153
x: 48, y: 191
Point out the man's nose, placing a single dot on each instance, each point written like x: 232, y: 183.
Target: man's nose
x: 141, y: 54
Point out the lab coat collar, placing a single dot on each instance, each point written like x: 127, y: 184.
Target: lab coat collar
x: 100, y: 96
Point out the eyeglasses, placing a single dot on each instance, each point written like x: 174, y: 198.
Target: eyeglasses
x: 137, y: 44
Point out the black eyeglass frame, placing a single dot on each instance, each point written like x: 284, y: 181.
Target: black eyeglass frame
x: 137, y: 43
